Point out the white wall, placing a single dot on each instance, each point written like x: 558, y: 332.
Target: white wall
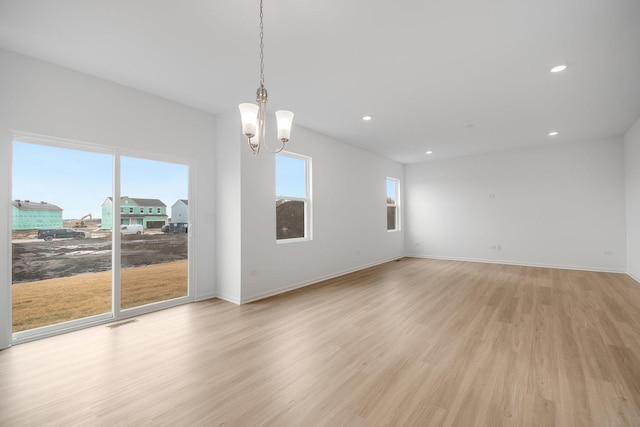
x: 45, y: 99
x: 349, y: 214
x: 229, y: 214
x: 632, y: 170
x: 559, y: 206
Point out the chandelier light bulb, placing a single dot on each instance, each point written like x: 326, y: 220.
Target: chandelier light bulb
x: 284, y: 119
x: 249, y: 116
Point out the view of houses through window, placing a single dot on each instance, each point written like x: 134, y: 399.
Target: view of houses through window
x: 153, y: 246
x: 63, y: 269
x: 55, y: 235
x: 292, y: 197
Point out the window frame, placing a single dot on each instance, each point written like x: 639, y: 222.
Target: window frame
x: 306, y: 200
x: 396, y: 205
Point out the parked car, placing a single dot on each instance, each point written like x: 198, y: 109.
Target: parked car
x: 60, y: 233
x: 175, y: 227
x: 131, y: 229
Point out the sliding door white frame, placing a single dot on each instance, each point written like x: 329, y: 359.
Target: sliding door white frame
x: 116, y: 313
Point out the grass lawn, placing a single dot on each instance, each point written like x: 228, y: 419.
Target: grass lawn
x: 53, y: 301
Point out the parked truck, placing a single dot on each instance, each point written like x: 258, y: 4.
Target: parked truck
x: 175, y: 227
x: 60, y: 233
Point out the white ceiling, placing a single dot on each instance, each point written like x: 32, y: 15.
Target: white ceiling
x: 458, y: 77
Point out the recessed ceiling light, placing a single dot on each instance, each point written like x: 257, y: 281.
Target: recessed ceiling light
x: 558, y: 68
x: 366, y: 118
x: 429, y: 152
x: 554, y: 133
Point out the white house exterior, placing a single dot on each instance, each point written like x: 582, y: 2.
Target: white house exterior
x: 180, y: 211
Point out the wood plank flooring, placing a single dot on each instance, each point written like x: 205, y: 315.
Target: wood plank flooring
x: 409, y: 343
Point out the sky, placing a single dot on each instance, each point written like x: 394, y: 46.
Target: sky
x: 290, y: 176
x: 80, y: 181
x: 391, y: 189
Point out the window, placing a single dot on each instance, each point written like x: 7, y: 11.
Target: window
x: 137, y: 172
x: 141, y: 210
x: 82, y: 285
x: 90, y: 288
x: 159, y: 210
x: 293, y: 198
x: 393, y: 204
x: 150, y: 210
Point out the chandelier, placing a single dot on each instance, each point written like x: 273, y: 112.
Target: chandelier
x: 254, y: 116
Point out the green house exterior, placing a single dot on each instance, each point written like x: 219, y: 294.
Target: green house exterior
x: 27, y: 215
x: 150, y: 213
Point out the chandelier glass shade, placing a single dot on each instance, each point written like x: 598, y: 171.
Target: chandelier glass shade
x: 254, y: 116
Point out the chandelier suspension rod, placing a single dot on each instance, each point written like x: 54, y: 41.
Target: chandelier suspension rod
x: 261, y: 46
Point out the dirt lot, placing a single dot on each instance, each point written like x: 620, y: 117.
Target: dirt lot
x: 35, y: 259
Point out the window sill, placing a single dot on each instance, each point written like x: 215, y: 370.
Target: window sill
x: 296, y: 240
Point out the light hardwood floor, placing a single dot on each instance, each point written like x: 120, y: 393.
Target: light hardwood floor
x: 414, y: 342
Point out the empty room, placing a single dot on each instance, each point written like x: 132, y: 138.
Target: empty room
x: 338, y: 213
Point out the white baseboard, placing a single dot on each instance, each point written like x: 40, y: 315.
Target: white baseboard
x: 205, y: 297
x: 637, y: 279
x: 309, y: 282
x: 520, y: 263
x: 228, y: 298
x: 313, y: 281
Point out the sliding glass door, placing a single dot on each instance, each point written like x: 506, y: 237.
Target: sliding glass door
x: 66, y: 270
x: 61, y: 256
x: 153, y: 231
